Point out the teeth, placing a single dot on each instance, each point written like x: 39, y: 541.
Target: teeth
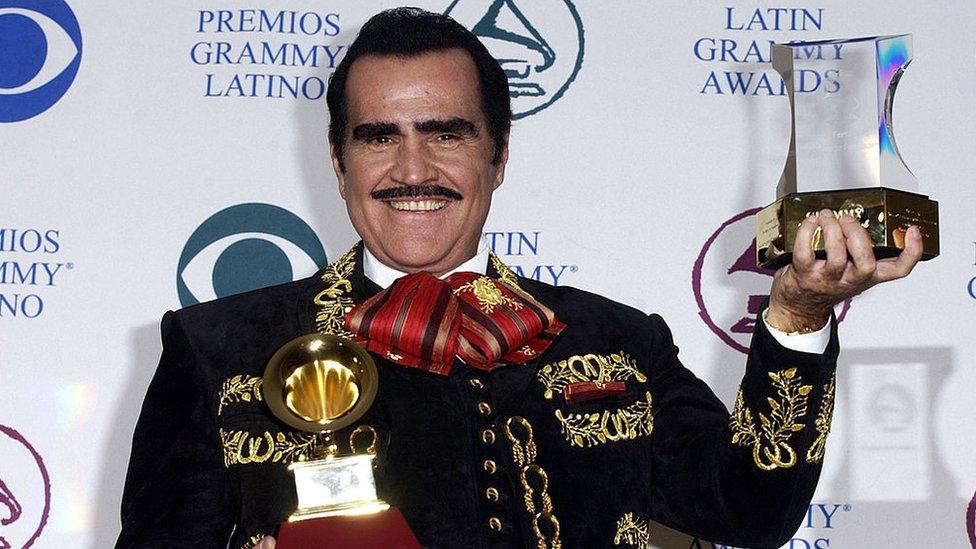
x: 418, y: 205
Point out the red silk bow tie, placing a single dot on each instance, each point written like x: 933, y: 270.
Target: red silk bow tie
x: 424, y: 322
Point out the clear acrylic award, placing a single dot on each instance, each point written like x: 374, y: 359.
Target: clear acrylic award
x: 842, y: 153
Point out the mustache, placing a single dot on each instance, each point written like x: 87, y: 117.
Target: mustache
x: 415, y: 191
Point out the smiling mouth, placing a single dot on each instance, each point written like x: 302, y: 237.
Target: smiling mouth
x: 417, y: 205
x: 417, y: 198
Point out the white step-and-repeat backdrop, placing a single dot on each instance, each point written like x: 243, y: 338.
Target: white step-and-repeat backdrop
x: 158, y: 154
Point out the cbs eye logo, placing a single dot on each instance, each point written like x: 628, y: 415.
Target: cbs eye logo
x: 40, y: 51
x: 243, y: 248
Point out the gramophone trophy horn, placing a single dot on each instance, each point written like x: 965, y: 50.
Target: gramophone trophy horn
x: 322, y: 383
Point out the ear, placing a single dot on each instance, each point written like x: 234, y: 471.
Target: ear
x: 340, y: 174
x: 500, y: 167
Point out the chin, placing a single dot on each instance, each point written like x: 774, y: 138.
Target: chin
x: 417, y: 254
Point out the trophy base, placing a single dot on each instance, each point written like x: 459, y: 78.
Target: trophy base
x: 885, y: 213
x: 355, y: 508
x: 337, y: 507
x: 384, y: 529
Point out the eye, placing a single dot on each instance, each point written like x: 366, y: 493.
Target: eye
x: 37, y: 50
x: 448, y: 140
x: 243, y: 248
x: 379, y: 142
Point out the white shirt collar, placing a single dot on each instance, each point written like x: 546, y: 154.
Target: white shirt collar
x: 384, y: 275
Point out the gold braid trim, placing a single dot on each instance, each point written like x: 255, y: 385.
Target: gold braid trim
x: 518, y: 430
x: 592, y: 429
x: 590, y: 367
x: 505, y: 273
x: 241, y: 388
x: 253, y: 540
x: 334, y: 301
x: 633, y: 531
x: 242, y: 448
x: 822, y: 423
x: 771, y: 448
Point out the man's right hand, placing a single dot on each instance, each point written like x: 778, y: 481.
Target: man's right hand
x: 267, y: 542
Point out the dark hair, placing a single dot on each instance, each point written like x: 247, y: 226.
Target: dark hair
x: 409, y: 32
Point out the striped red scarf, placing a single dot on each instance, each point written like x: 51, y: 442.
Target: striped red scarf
x: 424, y: 322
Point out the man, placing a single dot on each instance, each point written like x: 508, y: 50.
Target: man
x: 575, y: 435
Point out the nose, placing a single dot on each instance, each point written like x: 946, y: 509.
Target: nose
x: 413, y: 164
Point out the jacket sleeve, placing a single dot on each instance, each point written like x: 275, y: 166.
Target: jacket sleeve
x: 743, y: 478
x: 176, y: 489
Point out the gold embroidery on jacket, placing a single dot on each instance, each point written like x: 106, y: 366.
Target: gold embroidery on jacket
x: 242, y: 448
x: 594, y: 428
x: 240, y: 388
x: 633, y: 531
x: 505, y: 273
x: 816, y: 451
x: 518, y: 430
x: 771, y: 448
x: 252, y: 541
x: 487, y: 294
x: 334, y: 301
x: 523, y: 448
x: 590, y: 367
x: 527, y: 351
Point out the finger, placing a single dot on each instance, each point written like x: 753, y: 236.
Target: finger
x: 267, y: 542
x: 899, y: 267
x: 835, y: 244
x: 803, y: 256
x: 859, y: 246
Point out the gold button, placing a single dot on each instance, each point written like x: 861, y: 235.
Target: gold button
x: 488, y: 436
x: 484, y: 408
x: 476, y: 383
x: 489, y: 466
x: 492, y: 494
x: 495, y: 524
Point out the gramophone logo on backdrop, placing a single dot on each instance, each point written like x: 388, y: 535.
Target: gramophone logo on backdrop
x: 539, y: 44
x: 40, y: 51
x: 25, y: 491
x: 243, y: 248
x: 728, y: 286
x: 971, y: 521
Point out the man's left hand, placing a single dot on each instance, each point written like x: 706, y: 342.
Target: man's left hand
x: 805, y: 291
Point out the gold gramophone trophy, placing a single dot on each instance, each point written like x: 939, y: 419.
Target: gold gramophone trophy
x: 322, y: 383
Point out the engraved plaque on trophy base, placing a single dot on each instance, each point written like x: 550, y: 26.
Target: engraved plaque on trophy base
x: 335, y: 486
x: 885, y: 213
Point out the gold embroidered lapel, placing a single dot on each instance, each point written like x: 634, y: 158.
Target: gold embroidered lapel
x: 336, y: 300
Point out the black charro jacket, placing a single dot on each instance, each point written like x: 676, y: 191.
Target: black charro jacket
x: 208, y: 463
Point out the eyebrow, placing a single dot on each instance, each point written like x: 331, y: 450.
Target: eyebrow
x: 369, y: 130
x: 460, y: 126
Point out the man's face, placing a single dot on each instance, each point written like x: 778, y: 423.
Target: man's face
x: 418, y: 174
